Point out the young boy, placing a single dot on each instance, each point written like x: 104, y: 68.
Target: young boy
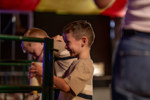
x: 77, y: 82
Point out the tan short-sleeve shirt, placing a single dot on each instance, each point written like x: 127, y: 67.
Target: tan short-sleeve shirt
x: 79, y: 77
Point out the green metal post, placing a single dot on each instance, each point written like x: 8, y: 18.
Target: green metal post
x: 18, y: 89
x: 24, y: 75
x: 24, y: 79
x: 48, y: 93
x: 20, y: 38
x: 47, y: 90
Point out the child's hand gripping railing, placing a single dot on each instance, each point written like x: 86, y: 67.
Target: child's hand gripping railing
x: 47, y: 87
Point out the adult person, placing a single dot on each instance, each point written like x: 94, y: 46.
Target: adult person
x: 131, y: 77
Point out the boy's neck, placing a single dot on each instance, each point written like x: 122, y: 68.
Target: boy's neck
x: 85, y: 54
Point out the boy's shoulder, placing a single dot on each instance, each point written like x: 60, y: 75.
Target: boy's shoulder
x: 86, y: 62
x: 81, y: 66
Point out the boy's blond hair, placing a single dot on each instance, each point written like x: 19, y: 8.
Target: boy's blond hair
x: 79, y: 29
x: 33, y: 32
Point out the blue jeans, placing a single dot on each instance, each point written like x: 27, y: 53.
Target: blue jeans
x: 131, y: 68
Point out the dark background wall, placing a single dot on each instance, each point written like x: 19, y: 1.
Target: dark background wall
x: 101, y: 49
x: 53, y: 24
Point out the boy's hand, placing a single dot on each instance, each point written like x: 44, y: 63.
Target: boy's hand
x: 35, y: 70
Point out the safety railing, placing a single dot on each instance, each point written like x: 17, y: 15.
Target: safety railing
x: 17, y: 63
x: 47, y: 86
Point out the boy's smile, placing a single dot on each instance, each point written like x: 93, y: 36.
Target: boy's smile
x: 72, y: 45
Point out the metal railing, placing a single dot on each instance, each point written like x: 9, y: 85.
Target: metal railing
x: 47, y: 87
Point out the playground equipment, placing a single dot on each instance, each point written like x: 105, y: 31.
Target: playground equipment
x: 47, y: 87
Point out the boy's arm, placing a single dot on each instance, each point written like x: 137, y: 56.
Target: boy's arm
x: 61, y: 84
x: 58, y: 82
x: 103, y: 3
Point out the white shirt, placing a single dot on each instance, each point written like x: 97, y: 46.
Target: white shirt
x: 138, y: 15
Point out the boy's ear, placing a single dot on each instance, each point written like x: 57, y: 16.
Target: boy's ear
x: 84, y: 41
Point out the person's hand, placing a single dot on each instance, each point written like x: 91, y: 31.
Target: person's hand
x: 35, y: 70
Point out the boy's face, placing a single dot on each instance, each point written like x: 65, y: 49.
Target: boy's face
x: 35, y: 49
x: 72, y: 45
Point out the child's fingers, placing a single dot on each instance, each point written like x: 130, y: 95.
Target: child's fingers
x: 32, y: 75
x: 32, y: 72
x: 32, y: 68
x: 36, y: 69
x: 35, y: 64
